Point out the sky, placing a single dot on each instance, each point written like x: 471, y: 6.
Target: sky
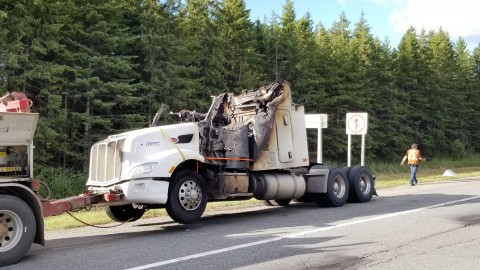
x: 386, y: 18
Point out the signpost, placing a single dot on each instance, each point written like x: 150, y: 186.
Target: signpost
x: 356, y: 124
x: 317, y: 121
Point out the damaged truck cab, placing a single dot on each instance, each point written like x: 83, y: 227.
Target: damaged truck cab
x: 253, y: 145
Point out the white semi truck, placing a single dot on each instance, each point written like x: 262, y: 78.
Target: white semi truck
x: 249, y: 146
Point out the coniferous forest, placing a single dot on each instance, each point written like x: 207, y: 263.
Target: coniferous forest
x: 95, y: 68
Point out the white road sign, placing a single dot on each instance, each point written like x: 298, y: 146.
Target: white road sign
x: 357, y: 123
x: 316, y: 120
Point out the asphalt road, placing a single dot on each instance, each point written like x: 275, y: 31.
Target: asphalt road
x: 431, y: 226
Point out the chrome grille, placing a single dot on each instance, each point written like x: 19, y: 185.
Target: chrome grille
x: 106, y: 161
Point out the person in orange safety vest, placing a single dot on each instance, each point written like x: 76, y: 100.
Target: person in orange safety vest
x: 414, y: 157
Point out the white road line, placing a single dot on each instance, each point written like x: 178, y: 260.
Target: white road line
x: 293, y: 235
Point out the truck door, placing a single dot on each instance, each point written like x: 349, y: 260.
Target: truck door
x: 283, y: 127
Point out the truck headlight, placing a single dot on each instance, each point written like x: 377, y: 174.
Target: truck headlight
x: 143, y: 169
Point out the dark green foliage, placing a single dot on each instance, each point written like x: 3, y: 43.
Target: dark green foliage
x: 158, y: 53
x: 457, y: 150
x: 202, y: 55
x: 237, y: 36
x: 32, y: 49
x: 102, y: 77
x: 62, y: 182
x: 94, y: 68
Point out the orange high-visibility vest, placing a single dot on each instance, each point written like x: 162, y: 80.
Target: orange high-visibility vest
x: 413, y: 157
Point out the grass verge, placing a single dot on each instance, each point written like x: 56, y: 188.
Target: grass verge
x: 392, y: 179
x: 97, y: 216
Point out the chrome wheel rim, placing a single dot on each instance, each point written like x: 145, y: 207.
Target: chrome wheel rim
x: 10, y: 230
x: 365, y: 184
x: 190, y: 195
x: 339, y: 186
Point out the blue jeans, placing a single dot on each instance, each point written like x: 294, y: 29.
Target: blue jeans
x: 413, y: 174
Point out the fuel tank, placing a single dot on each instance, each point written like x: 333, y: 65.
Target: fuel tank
x: 277, y: 186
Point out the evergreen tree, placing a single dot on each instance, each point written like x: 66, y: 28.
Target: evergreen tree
x: 474, y: 96
x: 158, y: 49
x: 383, y: 139
x: 464, y: 87
x: 309, y: 66
x: 363, y: 56
x: 286, y: 44
x: 339, y: 99
x: 317, y: 101
x: 237, y: 34
x: 441, y: 108
x: 101, y: 79
x: 202, y: 57
x: 267, y: 44
x: 32, y: 53
x: 409, y: 82
x: 262, y: 47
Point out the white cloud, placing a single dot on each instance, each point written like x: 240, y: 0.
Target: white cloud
x: 342, y: 2
x: 458, y: 17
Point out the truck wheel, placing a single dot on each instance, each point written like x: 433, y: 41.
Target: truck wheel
x: 337, y: 190
x: 17, y: 229
x: 361, y: 183
x: 347, y: 171
x: 124, y: 213
x: 187, y: 197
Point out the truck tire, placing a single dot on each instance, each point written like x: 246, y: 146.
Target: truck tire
x: 347, y: 171
x: 361, y: 184
x: 187, y: 197
x: 124, y: 213
x: 17, y: 229
x: 337, y: 190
